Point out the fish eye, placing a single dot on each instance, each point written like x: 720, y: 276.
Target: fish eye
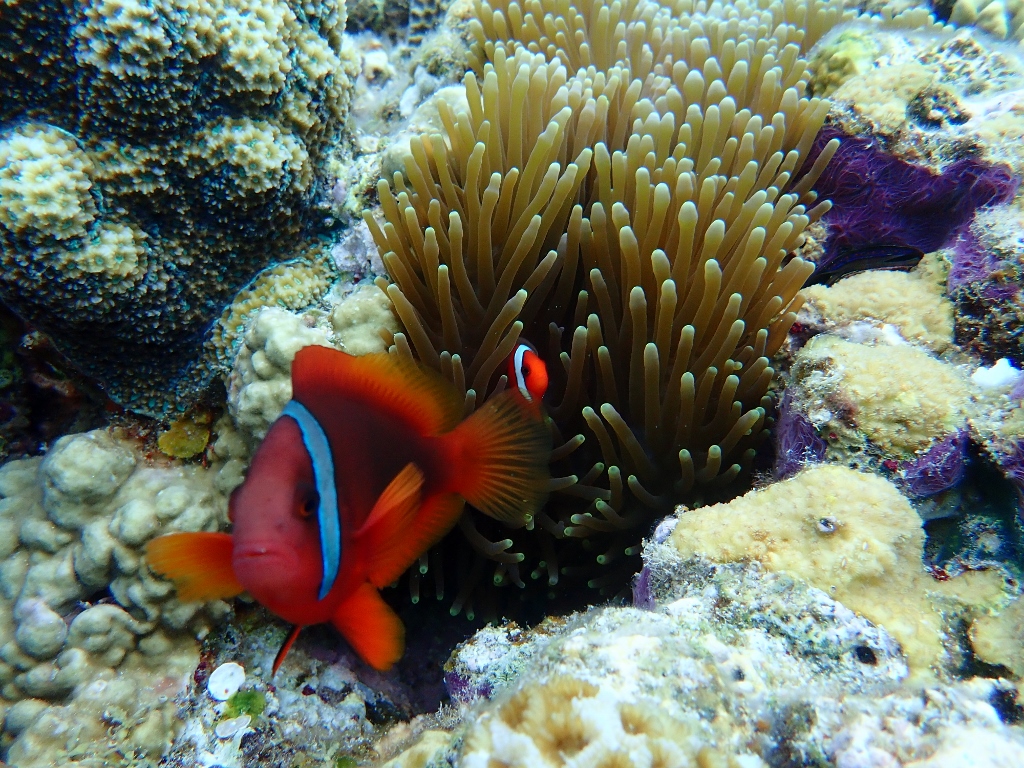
x: 310, y: 504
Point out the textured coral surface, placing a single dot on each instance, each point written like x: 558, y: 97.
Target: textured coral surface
x: 153, y: 158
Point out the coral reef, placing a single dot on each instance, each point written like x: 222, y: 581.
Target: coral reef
x: 154, y: 157
x: 851, y: 535
x: 930, y: 96
x: 94, y: 648
x: 732, y: 665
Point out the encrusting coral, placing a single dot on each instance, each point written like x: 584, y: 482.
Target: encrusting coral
x: 851, y: 535
x: 619, y: 191
x: 154, y: 157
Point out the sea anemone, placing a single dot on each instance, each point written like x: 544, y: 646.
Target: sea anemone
x: 620, y: 192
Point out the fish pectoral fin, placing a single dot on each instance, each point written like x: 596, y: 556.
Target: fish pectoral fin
x: 396, y: 506
x: 199, y: 564
x: 436, y: 516
x: 381, y: 539
x: 371, y: 628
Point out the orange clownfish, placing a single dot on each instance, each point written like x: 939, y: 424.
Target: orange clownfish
x: 367, y: 467
x: 527, y: 372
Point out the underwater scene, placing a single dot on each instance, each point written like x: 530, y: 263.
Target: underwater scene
x: 512, y: 383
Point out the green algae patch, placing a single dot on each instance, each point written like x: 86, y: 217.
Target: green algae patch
x: 250, y: 703
x: 187, y: 437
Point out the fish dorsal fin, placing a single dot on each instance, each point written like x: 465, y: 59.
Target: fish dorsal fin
x: 199, y: 564
x: 415, y: 394
x: 371, y: 628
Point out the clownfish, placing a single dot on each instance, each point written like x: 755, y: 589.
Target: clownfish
x: 368, y: 466
x: 527, y: 372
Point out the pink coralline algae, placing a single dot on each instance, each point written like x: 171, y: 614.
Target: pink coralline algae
x: 797, y: 443
x: 986, y: 284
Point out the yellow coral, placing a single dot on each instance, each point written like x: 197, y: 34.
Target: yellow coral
x: 116, y: 251
x: 186, y: 437
x: 912, y: 302
x: 44, y: 184
x: 899, y: 397
x: 292, y: 285
x: 999, y: 638
x: 852, y: 535
x: 261, y: 155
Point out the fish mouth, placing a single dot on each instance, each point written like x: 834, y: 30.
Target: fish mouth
x: 265, y: 555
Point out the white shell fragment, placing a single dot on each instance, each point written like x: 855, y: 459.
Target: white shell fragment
x: 997, y: 376
x: 225, y: 681
x: 228, y: 728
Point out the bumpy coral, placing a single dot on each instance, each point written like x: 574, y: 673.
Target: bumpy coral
x: 874, y: 402
x: 914, y: 302
x: 85, y: 628
x: 260, y: 381
x: 851, y: 535
x: 154, y: 157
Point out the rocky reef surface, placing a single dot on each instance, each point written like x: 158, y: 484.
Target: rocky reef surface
x: 181, y: 193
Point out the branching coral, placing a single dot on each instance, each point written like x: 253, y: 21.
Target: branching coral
x: 620, y: 192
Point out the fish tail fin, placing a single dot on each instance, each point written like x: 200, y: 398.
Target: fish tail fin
x: 501, y: 459
x: 371, y: 628
x: 199, y: 564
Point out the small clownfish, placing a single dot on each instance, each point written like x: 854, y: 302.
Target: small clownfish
x: 527, y: 372
x: 368, y: 466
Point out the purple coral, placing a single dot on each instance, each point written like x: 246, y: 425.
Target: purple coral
x: 796, y: 441
x: 878, y: 199
x: 643, y: 592
x: 463, y: 691
x: 938, y: 469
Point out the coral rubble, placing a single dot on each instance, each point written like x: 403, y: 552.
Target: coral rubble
x: 733, y: 664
